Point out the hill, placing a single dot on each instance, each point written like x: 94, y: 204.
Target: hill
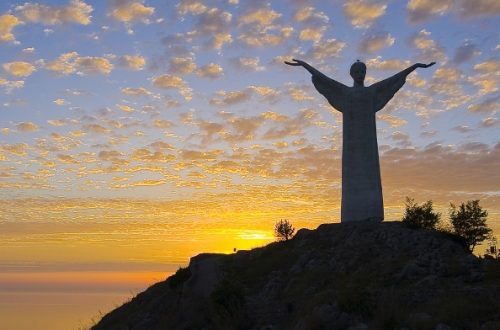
x: 338, y: 276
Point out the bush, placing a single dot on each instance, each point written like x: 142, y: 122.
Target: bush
x: 283, y: 230
x: 469, y: 222
x: 420, y: 216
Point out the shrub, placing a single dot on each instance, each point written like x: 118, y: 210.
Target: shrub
x: 469, y: 222
x: 283, y: 230
x: 420, y: 216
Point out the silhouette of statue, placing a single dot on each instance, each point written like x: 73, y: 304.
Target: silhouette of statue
x: 361, y: 185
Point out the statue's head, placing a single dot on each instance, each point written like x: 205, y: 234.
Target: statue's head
x: 358, y: 72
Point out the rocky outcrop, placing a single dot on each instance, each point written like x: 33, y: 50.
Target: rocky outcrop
x: 359, y: 275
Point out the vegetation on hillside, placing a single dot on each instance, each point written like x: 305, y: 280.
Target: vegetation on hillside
x: 468, y: 221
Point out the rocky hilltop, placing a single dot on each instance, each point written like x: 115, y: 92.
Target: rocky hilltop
x: 339, y: 276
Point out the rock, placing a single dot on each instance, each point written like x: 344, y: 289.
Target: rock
x: 359, y: 326
x: 326, y: 313
x: 442, y: 326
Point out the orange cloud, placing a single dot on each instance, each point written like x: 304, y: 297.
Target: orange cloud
x: 134, y: 62
x: 27, y: 127
x: 7, y: 24
x: 19, y: 69
x: 362, y: 13
x: 131, y: 11
x: 375, y: 42
x: 210, y: 71
x: 76, y: 11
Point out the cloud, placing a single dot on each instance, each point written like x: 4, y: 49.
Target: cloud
x: 490, y: 105
x: 462, y: 129
x: 375, y: 42
x: 393, y: 121
x: 219, y: 39
x: 193, y: 7
x: 162, y: 123
x: 429, y: 50
x: 465, y: 52
x: 488, y: 66
x: 96, y: 128
x: 258, y: 38
x: 130, y: 11
x: 145, y: 155
x: 19, y: 69
x: 326, y: 50
x: 390, y: 65
x: 312, y: 34
x: 489, y: 122
x: 125, y: 108
x: 213, y: 21
x: 267, y: 93
x: 223, y: 98
x: 133, y: 62
x: 401, y: 138
x: 168, y: 81
x: 64, y: 64
x: 67, y: 159
x: 242, y: 129
x: 287, y: 127
x: 421, y: 10
x: 27, y: 127
x: 136, y: 91
x: 182, y: 65
x: 68, y: 63
x: 274, y: 116
x: 109, y: 155
x: 437, y: 167
x: 362, y: 13
x: 17, y: 149
x: 210, y: 71
x: 91, y: 64
x: 479, y: 8
x: 309, y: 15
x: 209, y: 131
x: 7, y: 24
x: 76, y: 11
x: 10, y: 85
x: 247, y: 63
x: 298, y: 93
x: 57, y: 122
x: 261, y: 17
x: 60, y: 102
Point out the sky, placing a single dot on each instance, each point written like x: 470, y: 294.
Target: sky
x: 134, y: 134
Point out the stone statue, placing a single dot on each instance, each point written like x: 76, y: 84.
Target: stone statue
x: 361, y: 185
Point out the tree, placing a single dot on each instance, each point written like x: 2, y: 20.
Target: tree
x: 283, y: 230
x: 469, y: 222
x: 420, y: 216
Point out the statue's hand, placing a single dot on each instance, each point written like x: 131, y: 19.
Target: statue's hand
x: 296, y: 63
x: 422, y: 65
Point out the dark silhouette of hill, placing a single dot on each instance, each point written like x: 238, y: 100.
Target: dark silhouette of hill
x: 358, y: 275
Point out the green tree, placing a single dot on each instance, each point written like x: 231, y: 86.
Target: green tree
x: 469, y: 222
x: 420, y: 216
x: 283, y: 230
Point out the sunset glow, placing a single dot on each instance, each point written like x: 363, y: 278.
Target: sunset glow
x: 135, y: 134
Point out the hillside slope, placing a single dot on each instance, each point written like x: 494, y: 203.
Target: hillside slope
x: 339, y: 276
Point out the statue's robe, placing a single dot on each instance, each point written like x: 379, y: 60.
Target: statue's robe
x: 361, y: 185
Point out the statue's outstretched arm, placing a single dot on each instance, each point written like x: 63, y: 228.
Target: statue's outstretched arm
x: 315, y: 72
x: 412, y: 68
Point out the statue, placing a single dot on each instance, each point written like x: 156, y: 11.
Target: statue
x: 361, y: 184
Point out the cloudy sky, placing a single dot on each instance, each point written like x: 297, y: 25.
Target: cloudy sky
x: 117, y: 114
